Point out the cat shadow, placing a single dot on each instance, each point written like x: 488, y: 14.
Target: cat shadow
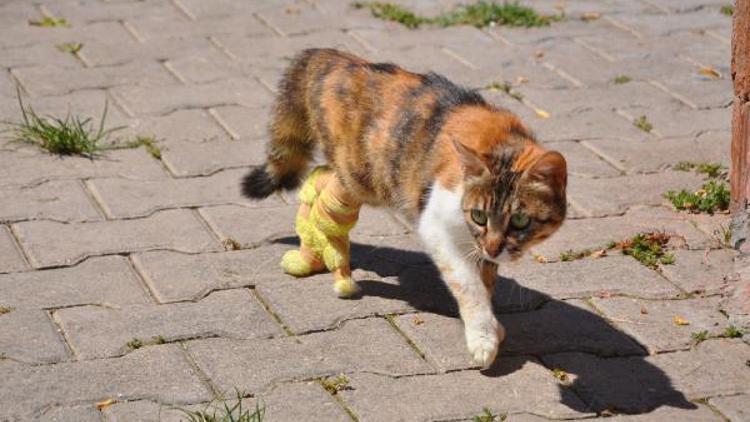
x: 605, y: 368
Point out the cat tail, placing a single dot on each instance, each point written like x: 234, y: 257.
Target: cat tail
x: 291, y: 147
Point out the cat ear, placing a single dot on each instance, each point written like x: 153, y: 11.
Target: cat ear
x: 552, y: 170
x: 471, y: 161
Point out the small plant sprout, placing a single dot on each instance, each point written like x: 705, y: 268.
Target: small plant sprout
x: 72, y: 135
x: 621, y: 79
x: 488, y: 416
x: 393, y: 12
x: 134, y: 344
x: 5, y: 310
x: 50, y: 22
x: 699, y: 337
x: 220, y: 410
x: 714, y: 196
x: 69, y: 47
x: 727, y: 10
x: 560, y: 374
x: 571, y: 255
x: 335, y: 384
x: 711, y: 170
x: 732, y: 332
x: 643, y: 124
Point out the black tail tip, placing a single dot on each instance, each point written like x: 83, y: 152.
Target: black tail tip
x: 258, y: 184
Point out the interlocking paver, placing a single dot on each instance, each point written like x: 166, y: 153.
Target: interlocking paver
x: 155, y: 27
x: 699, y: 414
x: 60, y: 200
x: 463, y: 394
x: 37, y: 54
x: 10, y: 257
x: 93, y: 11
x: 175, y: 129
x: 107, y: 281
x: 21, y: 167
x: 652, y: 323
x: 160, y: 372
x: 30, y: 34
x: 665, y: 379
x: 105, y: 53
x: 348, y: 349
x: 588, y: 277
x: 50, y: 243
x: 97, y: 332
x: 28, y: 335
x: 71, y: 414
x: 202, y: 159
x: 734, y: 407
x: 613, y: 196
x: 286, y: 402
x: 582, y: 161
x: 701, y: 271
x: 122, y: 198
x: 244, y: 123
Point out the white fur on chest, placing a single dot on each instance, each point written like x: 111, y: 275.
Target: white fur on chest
x: 442, y: 225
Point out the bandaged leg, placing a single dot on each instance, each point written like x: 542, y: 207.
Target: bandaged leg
x: 326, y: 215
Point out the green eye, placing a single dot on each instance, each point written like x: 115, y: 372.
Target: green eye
x: 479, y: 216
x: 520, y: 220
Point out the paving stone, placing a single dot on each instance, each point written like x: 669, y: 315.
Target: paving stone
x: 60, y: 200
x: 112, y: 31
x: 302, y: 18
x: 160, y: 372
x: 681, y: 121
x: 221, y: 8
x: 669, y: 379
x: 151, y: 28
x: 49, y: 243
x: 594, y: 233
x: 98, y: 332
x: 589, y: 277
x: 206, y: 158
x: 28, y: 335
x: 176, y: 277
x: 286, y: 402
x: 702, y: 94
x: 637, y: 156
x: 734, y: 407
x: 241, y: 91
x: 702, y: 272
x: 581, y: 161
x: 462, y: 394
x: 10, y: 257
x: 586, y: 124
x: 87, y: 413
x: 174, y: 130
x: 104, y: 53
x: 210, y: 66
x: 87, y: 11
x: 51, y: 80
x: 613, y: 196
x: 121, y: 198
x: 651, y: 321
x: 106, y: 281
x: 716, y: 226
x: 699, y: 414
x: 348, y: 349
x: 21, y: 167
x: 662, y: 24
x: 558, y: 326
x: 37, y: 54
x: 244, y: 123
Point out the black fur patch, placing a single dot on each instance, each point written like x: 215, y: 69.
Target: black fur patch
x: 258, y: 184
x: 383, y: 67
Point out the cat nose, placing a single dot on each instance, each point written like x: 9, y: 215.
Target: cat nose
x: 494, y: 247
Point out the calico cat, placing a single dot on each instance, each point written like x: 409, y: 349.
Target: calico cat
x: 470, y: 175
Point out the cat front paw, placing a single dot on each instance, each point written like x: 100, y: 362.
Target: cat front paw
x: 483, y: 342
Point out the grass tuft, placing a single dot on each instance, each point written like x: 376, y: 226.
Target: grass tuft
x: 727, y: 10
x: 335, y: 384
x: 647, y: 248
x: 488, y: 416
x: 713, y: 196
x: 220, y: 411
x: 479, y: 14
x: 711, y: 170
x: 134, y: 344
x: 572, y: 255
x: 70, y: 47
x: 699, y: 337
x: 732, y: 332
x: 621, y: 79
x: 72, y: 135
x: 643, y: 124
x: 148, y: 142
x: 50, y: 22
x: 505, y: 87
x: 5, y: 310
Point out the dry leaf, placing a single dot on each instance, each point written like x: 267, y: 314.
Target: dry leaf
x: 417, y: 320
x: 560, y: 374
x: 101, y: 405
x: 590, y: 16
x: 521, y: 80
x: 598, y: 253
x: 604, y: 294
x: 710, y: 72
x: 541, y: 259
x: 644, y: 311
x: 678, y: 320
x: 539, y: 54
x: 541, y: 113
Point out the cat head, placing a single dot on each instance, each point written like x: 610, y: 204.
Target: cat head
x: 514, y: 196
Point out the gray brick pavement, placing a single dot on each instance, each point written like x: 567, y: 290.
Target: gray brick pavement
x: 97, y: 252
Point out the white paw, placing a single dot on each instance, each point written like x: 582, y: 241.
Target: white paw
x: 484, y: 341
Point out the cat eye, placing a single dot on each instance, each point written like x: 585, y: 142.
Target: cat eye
x: 520, y: 220
x: 478, y: 216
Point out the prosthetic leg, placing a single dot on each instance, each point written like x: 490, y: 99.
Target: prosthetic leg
x: 326, y: 215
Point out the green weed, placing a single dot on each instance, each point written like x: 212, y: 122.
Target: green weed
x: 69, y: 47
x: 732, y: 332
x: 72, y: 135
x: 488, y: 416
x: 621, y: 79
x: 699, y: 337
x: 148, y: 142
x: 134, y: 344
x: 505, y: 87
x: 479, y: 14
x: 727, y: 10
x: 50, y: 22
x: 335, y: 384
x: 647, y: 248
x: 711, y: 170
x: 572, y: 255
x: 5, y: 310
x: 220, y: 411
x: 643, y: 124
x: 713, y: 196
